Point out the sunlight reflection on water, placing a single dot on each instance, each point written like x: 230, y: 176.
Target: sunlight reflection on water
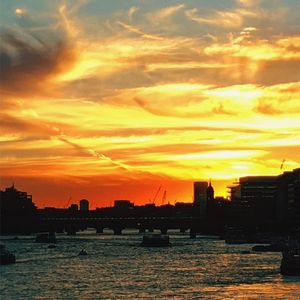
x: 117, y: 267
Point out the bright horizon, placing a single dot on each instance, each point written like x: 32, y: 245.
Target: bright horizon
x: 108, y: 100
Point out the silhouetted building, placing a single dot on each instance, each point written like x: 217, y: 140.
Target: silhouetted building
x: 210, y: 193
x: 254, y: 199
x: 17, y: 211
x: 200, y: 196
x: 12, y: 199
x: 210, y: 198
x: 221, y: 199
x: 234, y: 192
x: 123, y: 204
x: 288, y: 197
x: 73, y: 207
x: 84, y: 205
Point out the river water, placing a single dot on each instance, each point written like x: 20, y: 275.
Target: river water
x: 117, y: 267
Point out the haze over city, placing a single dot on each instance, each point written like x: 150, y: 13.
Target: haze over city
x: 109, y: 100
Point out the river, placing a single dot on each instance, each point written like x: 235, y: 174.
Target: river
x: 117, y: 267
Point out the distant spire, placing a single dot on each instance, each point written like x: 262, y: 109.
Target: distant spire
x: 210, y: 192
x: 281, y: 166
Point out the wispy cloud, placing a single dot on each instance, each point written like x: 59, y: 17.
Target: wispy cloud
x: 136, y: 30
x: 230, y: 19
x: 248, y: 2
x: 164, y: 13
x: 132, y: 10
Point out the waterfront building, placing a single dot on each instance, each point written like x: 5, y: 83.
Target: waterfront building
x: 254, y: 198
x: 73, y: 208
x: 17, y: 211
x: 288, y: 197
x: 12, y: 199
x: 234, y: 192
x: 200, y: 196
x: 210, y: 193
x: 84, y: 205
x: 123, y: 204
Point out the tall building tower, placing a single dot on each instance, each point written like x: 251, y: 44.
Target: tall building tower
x: 210, y: 193
x: 200, y: 196
x: 288, y: 197
x: 18, y: 214
x: 84, y: 205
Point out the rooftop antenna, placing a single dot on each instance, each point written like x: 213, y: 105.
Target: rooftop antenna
x: 282, y: 163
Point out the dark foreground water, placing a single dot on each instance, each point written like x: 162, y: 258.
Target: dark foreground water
x: 116, y: 267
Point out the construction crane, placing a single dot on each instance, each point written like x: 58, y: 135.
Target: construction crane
x: 155, y: 196
x: 69, y: 200
x: 164, y: 198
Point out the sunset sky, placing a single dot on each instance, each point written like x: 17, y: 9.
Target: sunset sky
x: 109, y: 100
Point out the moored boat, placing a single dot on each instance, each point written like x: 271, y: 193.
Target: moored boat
x: 82, y: 252
x: 275, y: 247
x: 290, y: 263
x: 6, y: 257
x: 235, y: 236
x: 45, y: 238
x: 156, y: 240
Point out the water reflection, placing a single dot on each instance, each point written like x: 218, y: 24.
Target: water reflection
x: 116, y: 267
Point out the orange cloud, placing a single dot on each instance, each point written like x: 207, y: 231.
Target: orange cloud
x: 136, y: 98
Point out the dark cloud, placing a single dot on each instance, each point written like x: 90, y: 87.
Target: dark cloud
x: 278, y: 71
x: 30, y: 55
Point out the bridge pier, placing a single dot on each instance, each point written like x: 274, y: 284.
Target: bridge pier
x: 164, y: 230
x: 117, y: 230
x: 71, y: 231
x: 193, y: 233
x: 99, y: 229
x: 71, y: 225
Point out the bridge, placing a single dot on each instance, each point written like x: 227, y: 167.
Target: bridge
x: 71, y: 225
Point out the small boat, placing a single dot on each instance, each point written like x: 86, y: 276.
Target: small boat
x: 6, y: 257
x: 156, y: 240
x: 268, y: 248
x: 235, y: 236
x: 290, y: 263
x: 82, y: 252
x: 45, y: 238
x: 52, y: 246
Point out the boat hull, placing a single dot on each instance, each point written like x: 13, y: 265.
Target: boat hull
x: 290, y: 263
x: 155, y: 241
x: 6, y: 259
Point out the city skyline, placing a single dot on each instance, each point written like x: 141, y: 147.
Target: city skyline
x: 112, y: 100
